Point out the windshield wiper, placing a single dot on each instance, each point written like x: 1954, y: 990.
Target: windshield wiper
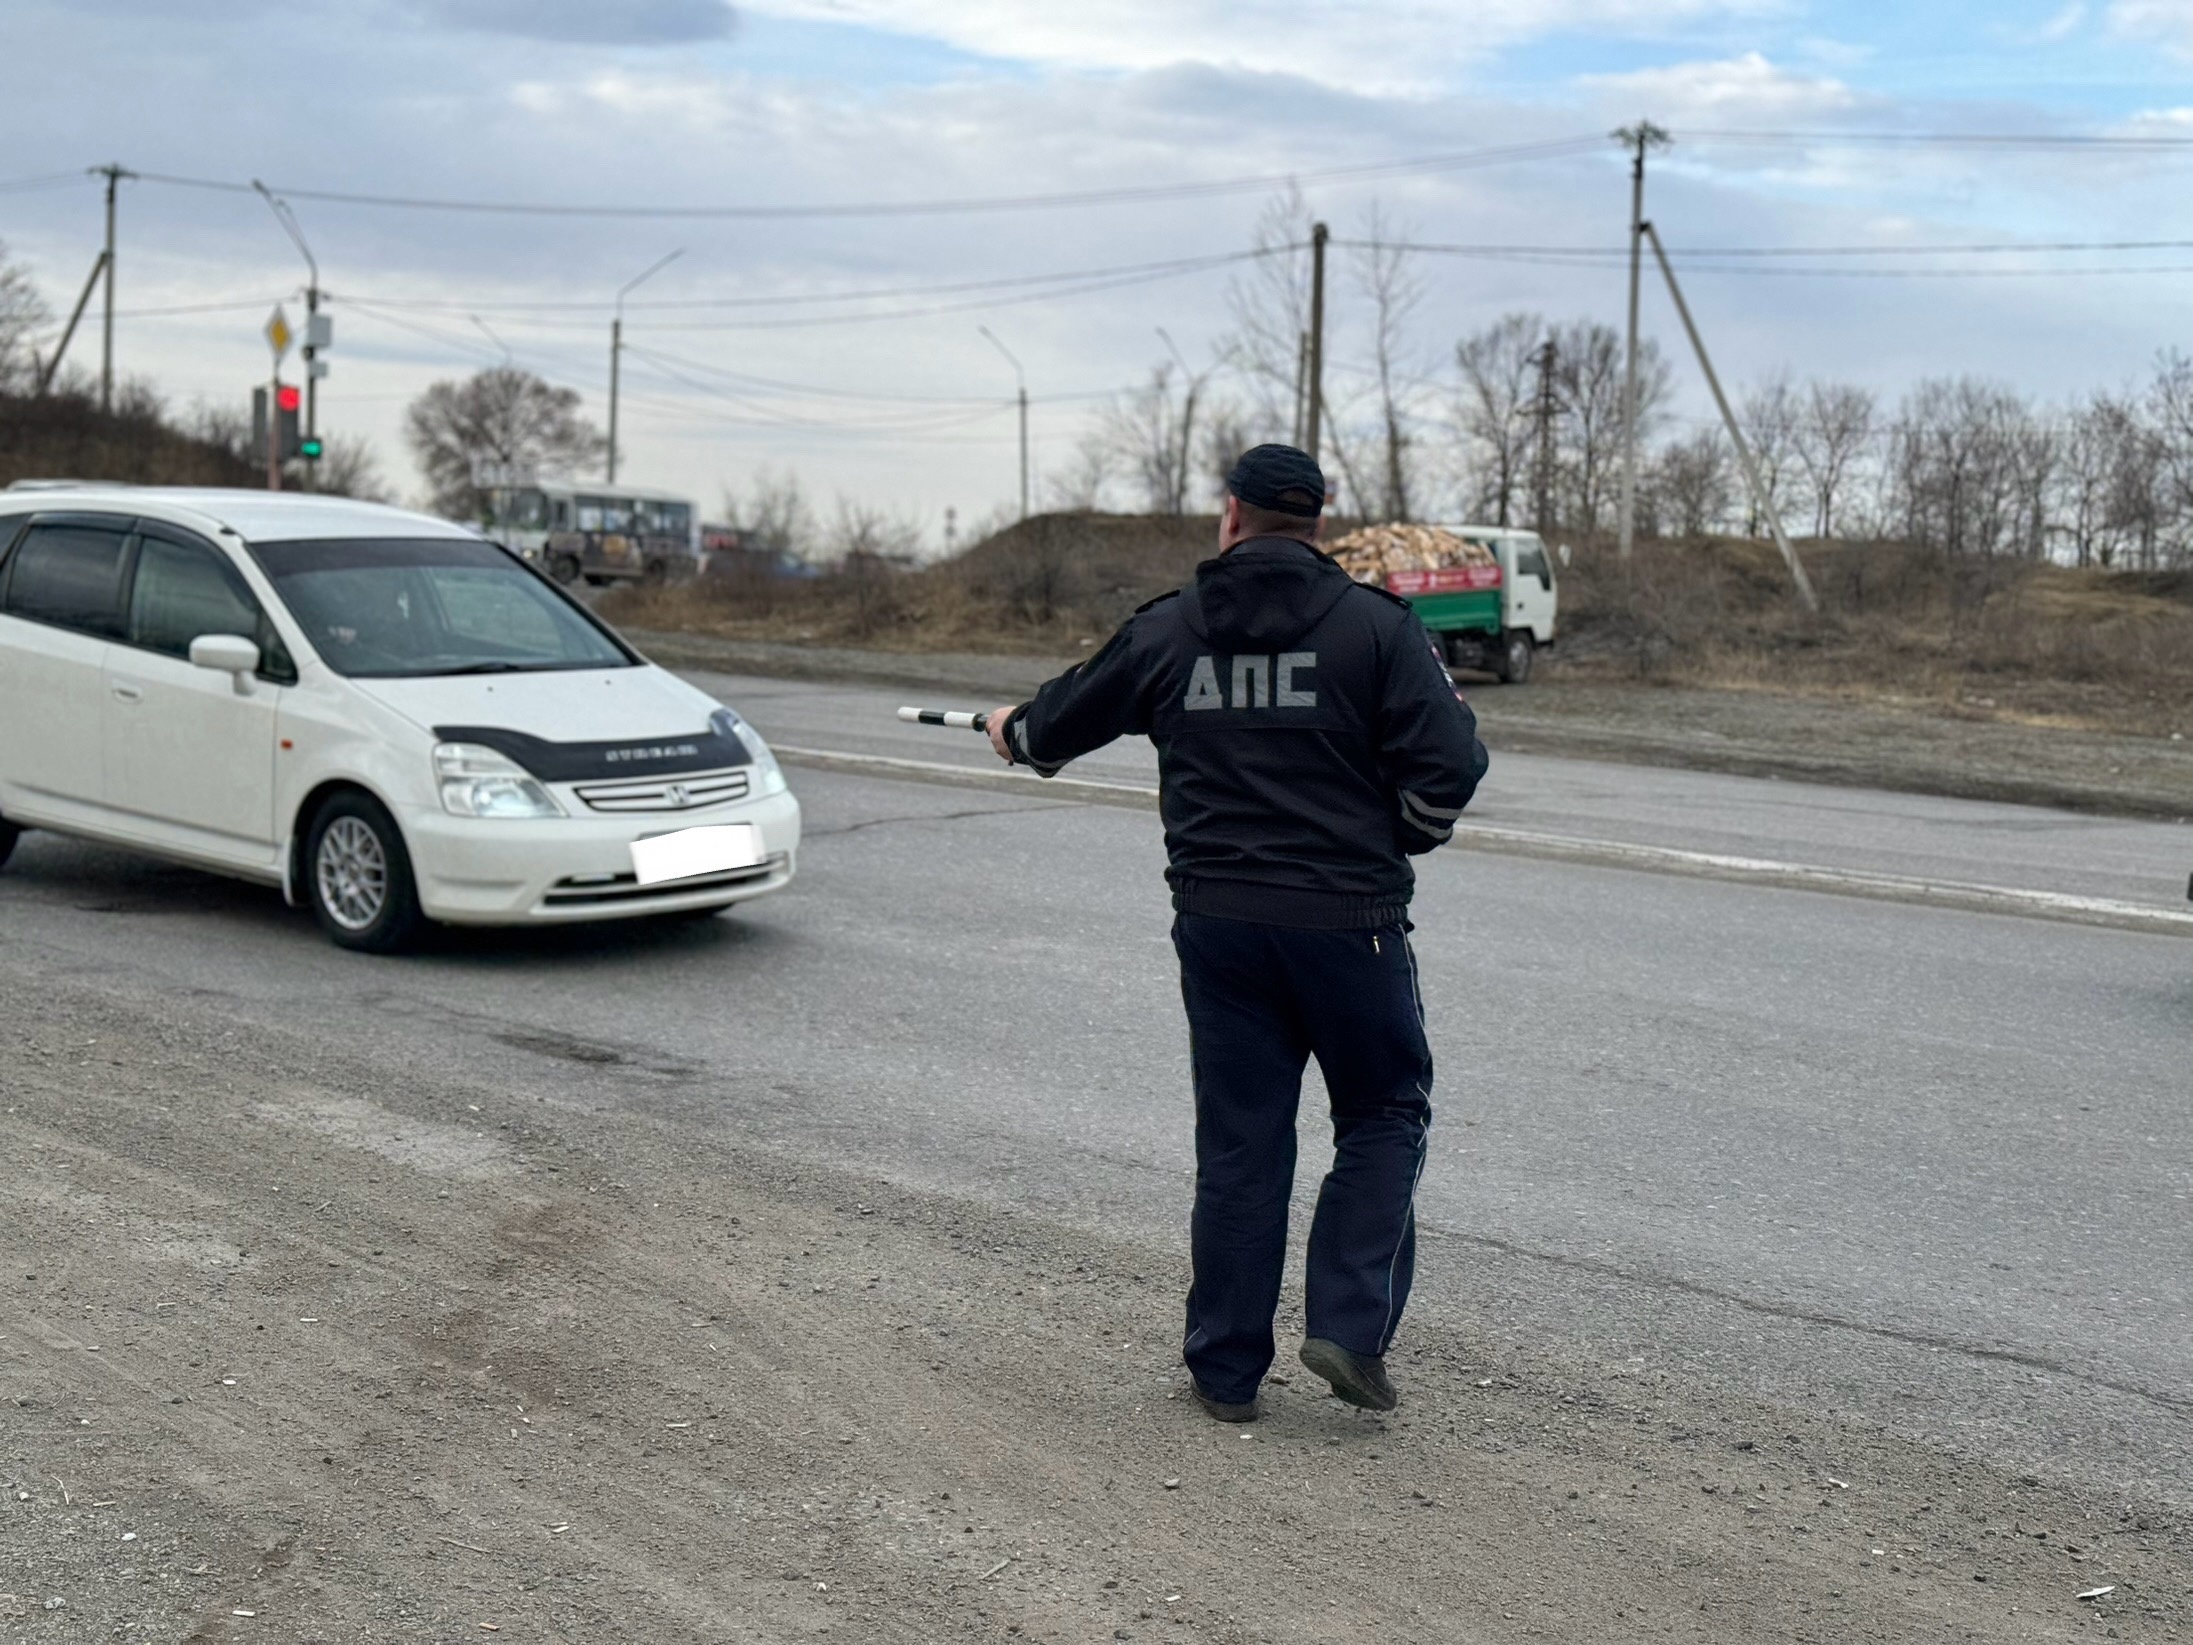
x: 496, y: 667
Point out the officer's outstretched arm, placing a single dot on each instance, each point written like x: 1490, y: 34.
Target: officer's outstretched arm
x: 1427, y: 740
x: 1089, y: 705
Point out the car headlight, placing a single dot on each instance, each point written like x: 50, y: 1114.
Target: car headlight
x: 768, y: 775
x: 478, y: 782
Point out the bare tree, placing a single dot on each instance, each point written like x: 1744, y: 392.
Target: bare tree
x: 502, y: 415
x: 1835, y: 427
x: 1692, y: 483
x: 773, y: 518
x: 1080, y: 486
x: 1769, y: 415
x: 351, y: 468
x: 1389, y: 280
x: 1959, y: 450
x: 1492, y: 407
x: 1138, y: 437
x: 1270, y: 304
x: 1590, y: 367
x: 23, y: 316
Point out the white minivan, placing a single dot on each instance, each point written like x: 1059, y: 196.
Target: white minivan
x: 389, y: 716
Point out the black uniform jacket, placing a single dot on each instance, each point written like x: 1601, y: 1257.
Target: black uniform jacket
x: 1309, y: 740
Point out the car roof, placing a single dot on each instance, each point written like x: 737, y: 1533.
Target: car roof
x: 256, y: 516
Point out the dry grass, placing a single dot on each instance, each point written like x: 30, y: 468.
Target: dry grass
x: 1051, y: 585
x: 1994, y: 639
x: 1991, y: 639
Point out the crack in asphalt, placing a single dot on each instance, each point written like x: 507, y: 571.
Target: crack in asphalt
x: 1810, y: 1316
x: 945, y: 816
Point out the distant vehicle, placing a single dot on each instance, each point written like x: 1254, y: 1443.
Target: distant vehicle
x: 390, y: 717
x: 1494, y: 618
x: 605, y: 534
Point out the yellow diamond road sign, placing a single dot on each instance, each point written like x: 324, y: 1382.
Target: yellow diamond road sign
x: 278, y: 333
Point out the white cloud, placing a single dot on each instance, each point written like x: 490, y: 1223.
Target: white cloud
x: 1368, y: 44
x: 1747, y: 88
x: 2063, y: 25
x: 2170, y: 21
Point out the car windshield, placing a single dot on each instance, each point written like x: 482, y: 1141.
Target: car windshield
x: 404, y: 607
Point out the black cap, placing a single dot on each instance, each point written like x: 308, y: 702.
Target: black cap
x: 1280, y: 478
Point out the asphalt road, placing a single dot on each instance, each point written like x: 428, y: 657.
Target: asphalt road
x: 1927, y: 1169
x: 1909, y: 835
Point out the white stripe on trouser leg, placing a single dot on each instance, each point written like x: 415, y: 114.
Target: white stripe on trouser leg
x: 1408, y: 1221
x: 1423, y: 1151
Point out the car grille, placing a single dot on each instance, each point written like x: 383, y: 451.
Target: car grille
x: 688, y: 793
x: 594, y: 890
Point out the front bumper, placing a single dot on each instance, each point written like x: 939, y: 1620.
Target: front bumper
x: 559, y: 870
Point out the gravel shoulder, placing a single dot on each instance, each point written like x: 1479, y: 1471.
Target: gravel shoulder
x: 1868, y: 744
x: 288, y: 1352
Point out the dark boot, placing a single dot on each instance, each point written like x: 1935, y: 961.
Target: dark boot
x: 1355, y: 1378
x: 1220, y: 1409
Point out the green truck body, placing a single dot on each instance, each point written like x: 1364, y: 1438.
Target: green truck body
x: 1494, y: 617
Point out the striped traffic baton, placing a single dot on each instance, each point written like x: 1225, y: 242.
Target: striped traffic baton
x: 945, y: 716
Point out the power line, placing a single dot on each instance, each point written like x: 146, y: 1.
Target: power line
x: 2067, y: 141
x: 800, y: 322
x: 997, y: 283
x: 51, y: 179
x: 1465, y: 160
x: 1988, y: 248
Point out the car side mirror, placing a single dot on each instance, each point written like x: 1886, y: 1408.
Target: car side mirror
x: 229, y: 654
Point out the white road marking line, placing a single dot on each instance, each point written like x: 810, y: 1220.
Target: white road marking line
x: 2061, y: 906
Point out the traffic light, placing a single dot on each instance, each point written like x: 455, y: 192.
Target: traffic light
x: 288, y: 402
x: 290, y: 442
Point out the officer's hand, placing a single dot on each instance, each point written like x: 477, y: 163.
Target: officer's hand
x: 996, y: 722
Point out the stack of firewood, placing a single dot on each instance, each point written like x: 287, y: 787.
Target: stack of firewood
x: 1376, y: 552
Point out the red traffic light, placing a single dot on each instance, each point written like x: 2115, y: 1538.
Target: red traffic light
x: 287, y: 397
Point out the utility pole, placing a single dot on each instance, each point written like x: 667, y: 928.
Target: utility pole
x: 114, y: 175
x: 1020, y: 377
x: 1543, y: 455
x: 1641, y: 137
x: 616, y: 349
x: 1313, y: 411
x: 317, y: 331
x: 1759, y: 498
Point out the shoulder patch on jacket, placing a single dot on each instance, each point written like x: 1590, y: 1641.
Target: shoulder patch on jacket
x: 1169, y: 594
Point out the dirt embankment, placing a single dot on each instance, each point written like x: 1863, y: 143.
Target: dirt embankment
x: 291, y: 1355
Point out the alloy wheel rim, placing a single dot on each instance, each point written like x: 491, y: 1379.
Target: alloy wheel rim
x: 353, y: 873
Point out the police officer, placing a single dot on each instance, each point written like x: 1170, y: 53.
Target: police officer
x: 1309, y: 743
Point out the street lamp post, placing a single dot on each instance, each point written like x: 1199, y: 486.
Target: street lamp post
x: 616, y: 348
x: 1187, y: 423
x: 315, y: 333
x: 1022, y: 378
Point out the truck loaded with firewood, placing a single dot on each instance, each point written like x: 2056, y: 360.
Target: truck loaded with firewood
x: 1487, y: 592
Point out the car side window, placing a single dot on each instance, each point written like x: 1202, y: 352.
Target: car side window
x: 69, y: 574
x: 1531, y: 562
x: 184, y: 590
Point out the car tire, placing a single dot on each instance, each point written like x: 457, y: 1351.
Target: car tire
x: 564, y: 568
x: 358, y: 876
x: 1516, y: 651
x: 9, y: 834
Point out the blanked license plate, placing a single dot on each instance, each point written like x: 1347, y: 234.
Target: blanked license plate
x: 691, y: 852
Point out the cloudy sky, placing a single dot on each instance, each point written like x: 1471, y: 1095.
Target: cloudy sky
x: 746, y: 352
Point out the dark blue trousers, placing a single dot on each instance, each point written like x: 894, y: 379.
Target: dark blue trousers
x: 1262, y: 1000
